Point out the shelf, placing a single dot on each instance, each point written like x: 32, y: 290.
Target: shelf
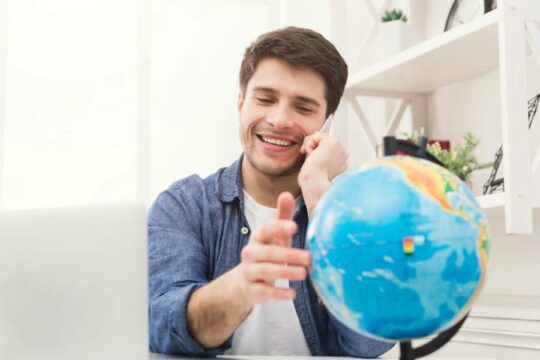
x: 491, y: 201
x: 493, y: 204
x: 465, y: 52
x: 525, y: 307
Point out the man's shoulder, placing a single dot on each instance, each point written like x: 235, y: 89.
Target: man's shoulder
x: 222, y: 184
x: 189, y: 184
x: 189, y: 195
x: 196, y: 185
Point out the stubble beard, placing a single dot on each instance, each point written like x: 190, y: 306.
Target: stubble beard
x: 276, y: 172
x: 268, y: 170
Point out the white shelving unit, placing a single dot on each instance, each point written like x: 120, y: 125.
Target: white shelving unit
x: 419, y: 68
x: 494, y: 40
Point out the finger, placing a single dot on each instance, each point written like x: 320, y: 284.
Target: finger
x: 276, y: 254
x: 283, y: 293
x: 272, y: 230
x: 285, y: 206
x: 285, y: 211
x: 312, y: 142
x: 309, y: 143
x: 270, y: 272
x: 262, y: 292
x: 316, y: 138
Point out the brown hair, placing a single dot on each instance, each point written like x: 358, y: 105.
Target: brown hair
x: 300, y: 48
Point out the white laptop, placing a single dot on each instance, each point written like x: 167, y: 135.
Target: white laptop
x: 73, y: 283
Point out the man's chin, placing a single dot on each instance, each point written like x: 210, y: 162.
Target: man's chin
x: 278, y: 170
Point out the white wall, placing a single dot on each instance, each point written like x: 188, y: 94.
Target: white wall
x: 3, y: 57
x: 71, y: 103
x: 308, y: 13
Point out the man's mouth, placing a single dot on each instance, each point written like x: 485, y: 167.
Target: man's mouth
x: 273, y: 141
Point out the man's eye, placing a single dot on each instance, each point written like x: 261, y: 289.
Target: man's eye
x: 265, y: 100
x: 304, y: 110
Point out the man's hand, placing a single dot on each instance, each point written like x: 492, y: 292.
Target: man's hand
x: 326, y: 158
x: 269, y: 256
x: 216, y: 310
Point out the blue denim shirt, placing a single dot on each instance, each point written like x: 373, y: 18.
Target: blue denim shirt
x: 195, y: 235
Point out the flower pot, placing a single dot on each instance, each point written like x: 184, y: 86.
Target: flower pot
x: 444, y: 144
x: 394, y: 37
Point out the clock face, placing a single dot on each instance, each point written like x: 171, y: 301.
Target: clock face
x: 463, y: 11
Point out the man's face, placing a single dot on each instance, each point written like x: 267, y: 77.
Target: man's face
x: 282, y: 105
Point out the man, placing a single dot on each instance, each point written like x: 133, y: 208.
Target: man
x: 227, y: 263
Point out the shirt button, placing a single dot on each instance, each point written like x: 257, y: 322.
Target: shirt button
x: 244, y: 230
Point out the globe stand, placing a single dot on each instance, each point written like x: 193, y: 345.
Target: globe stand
x: 409, y: 353
x: 393, y: 146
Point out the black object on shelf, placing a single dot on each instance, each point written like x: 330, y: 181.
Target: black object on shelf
x: 393, y: 146
x: 495, y: 183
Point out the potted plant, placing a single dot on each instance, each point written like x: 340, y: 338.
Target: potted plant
x: 394, y: 31
x: 458, y: 159
x: 394, y: 15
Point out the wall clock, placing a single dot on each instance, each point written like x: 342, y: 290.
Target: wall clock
x: 463, y: 11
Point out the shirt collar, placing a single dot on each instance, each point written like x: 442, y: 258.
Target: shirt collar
x: 229, y: 184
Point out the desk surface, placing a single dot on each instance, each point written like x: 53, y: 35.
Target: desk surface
x: 163, y: 357
x: 260, y: 357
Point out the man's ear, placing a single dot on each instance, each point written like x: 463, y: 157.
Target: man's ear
x: 240, y: 102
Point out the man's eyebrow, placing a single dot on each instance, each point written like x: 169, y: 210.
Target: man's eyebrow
x: 308, y: 100
x: 264, y: 89
x: 301, y: 98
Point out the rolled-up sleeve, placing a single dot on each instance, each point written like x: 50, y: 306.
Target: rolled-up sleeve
x: 177, y: 266
x: 353, y: 344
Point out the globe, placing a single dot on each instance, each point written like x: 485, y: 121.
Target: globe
x: 399, y: 249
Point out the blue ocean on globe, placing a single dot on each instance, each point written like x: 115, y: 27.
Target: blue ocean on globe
x: 399, y: 249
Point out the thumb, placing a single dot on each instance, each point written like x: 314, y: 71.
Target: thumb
x: 285, y: 206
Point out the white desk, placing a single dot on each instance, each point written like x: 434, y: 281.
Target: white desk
x: 163, y: 357
x: 261, y: 357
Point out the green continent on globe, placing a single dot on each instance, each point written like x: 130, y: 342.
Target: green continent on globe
x: 399, y: 248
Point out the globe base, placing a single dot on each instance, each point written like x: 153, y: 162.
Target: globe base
x: 407, y: 352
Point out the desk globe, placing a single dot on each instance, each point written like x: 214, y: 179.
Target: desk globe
x: 399, y: 249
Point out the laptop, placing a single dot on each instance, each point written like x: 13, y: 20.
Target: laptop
x: 73, y: 283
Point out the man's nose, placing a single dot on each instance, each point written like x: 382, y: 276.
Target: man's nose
x: 281, y: 117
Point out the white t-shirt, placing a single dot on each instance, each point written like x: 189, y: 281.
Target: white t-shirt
x: 271, y: 328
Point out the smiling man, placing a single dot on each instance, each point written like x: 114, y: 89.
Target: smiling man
x: 227, y: 264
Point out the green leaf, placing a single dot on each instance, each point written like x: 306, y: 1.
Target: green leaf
x: 460, y: 159
x: 392, y: 15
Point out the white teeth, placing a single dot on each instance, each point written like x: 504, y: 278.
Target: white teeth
x: 276, y: 141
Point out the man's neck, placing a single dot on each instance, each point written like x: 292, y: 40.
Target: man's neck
x: 265, y: 189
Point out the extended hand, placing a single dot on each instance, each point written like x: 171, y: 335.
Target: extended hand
x: 269, y: 256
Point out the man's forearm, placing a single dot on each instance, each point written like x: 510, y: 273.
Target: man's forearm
x: 215, y: 310
x: 313, y: 186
